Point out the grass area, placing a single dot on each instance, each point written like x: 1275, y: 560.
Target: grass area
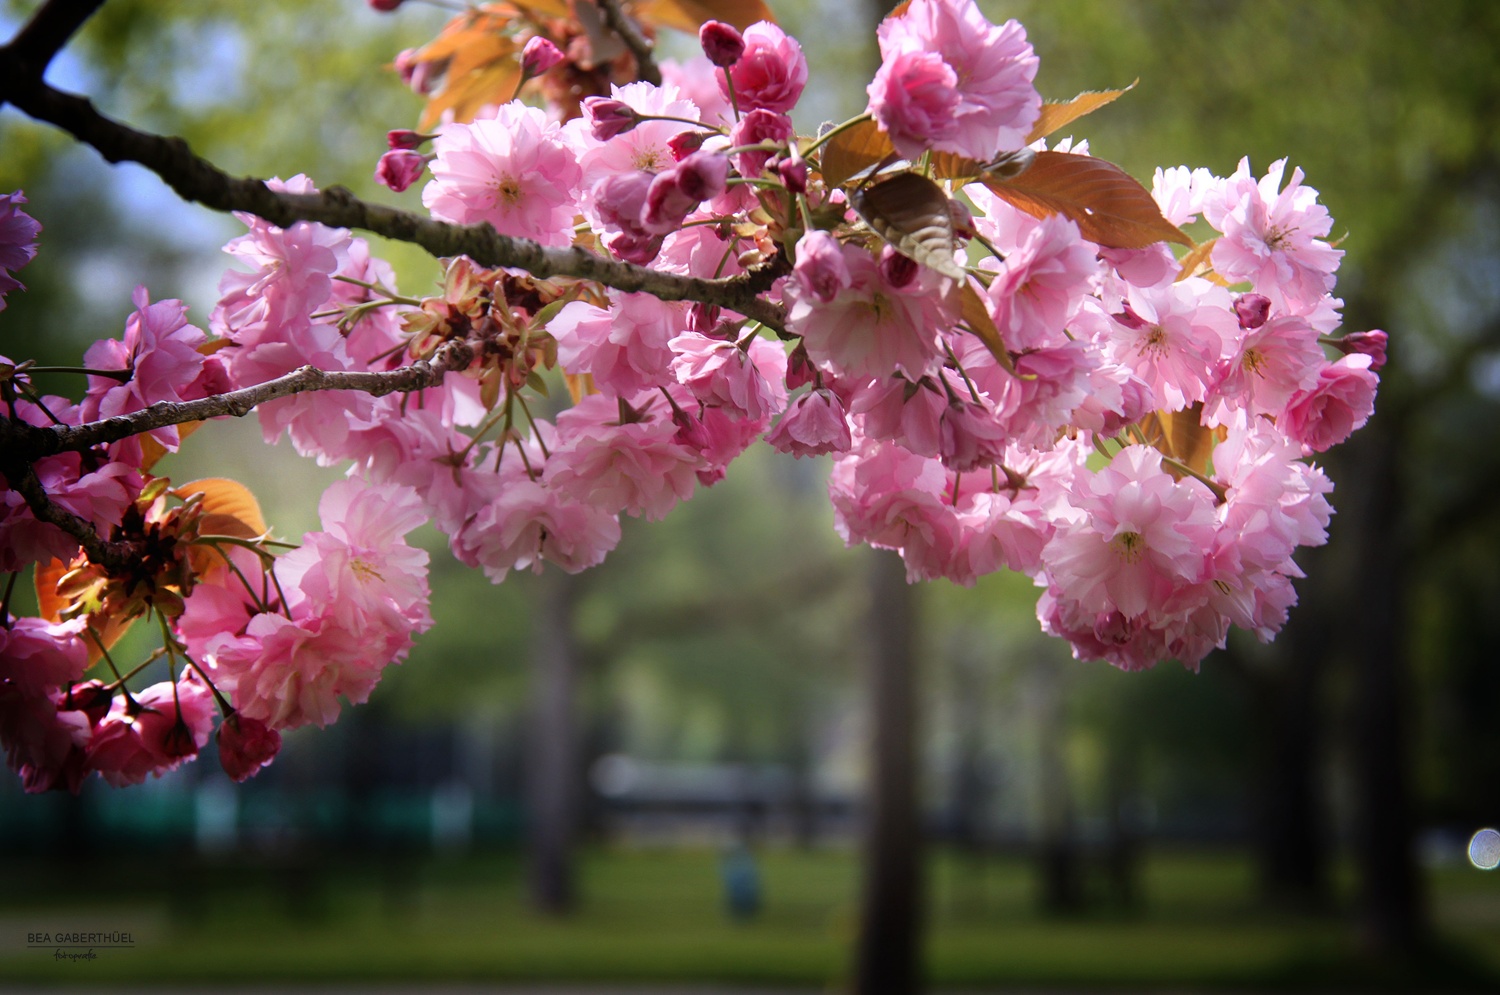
x: 658, y: 916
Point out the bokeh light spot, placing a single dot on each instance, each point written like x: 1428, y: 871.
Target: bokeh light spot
x: 1484, y: 850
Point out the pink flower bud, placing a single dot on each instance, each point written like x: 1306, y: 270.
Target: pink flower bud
x: 722, y: 43
x: 1252, y: 309
x: 793, y: 173
x: 686, y: 143
x: 405, y: 138
x: 405, y: 64
x: 703, y: 318
x: 703, y: 175
x: 538, y: 56
x: 690, y: 430
x: 246, y: 745
x: 91, y: 698
x: 384, y: 6
x: 799, y: 368
x: 759, y: 126
x: 1371, y: 343
x: 896, y: 269
x: 399, y: 168
x: 674, y: 194
x: 609, y: 117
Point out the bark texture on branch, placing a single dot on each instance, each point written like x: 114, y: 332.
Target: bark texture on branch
x: 197, y: 180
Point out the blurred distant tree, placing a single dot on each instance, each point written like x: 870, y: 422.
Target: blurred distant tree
x: 1407, y: 144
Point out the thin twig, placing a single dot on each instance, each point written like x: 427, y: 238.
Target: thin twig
x: 110, y: 555
x: 197, y: 180
x: 620, y: 23
x: 24, y: 443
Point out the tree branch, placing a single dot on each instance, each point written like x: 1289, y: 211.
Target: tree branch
x: 110, y: 555
x: 24, y: 444
x: 620, y: 23
x: 34, y: 47
x: 197, y: 180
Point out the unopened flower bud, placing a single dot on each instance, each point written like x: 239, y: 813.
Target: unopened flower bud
x: 1252, y: 309
x: 91, y: 698
x: 690, y: 430
x: 405, y: 138
x: 703, y: 175
x: 538, y: 56
x: 674, y: 194
x: 799, y: 367
x: 384, y: 6
x: 703, y: 318
x: 895, y: 269
x: 399, y: 168
x: 1371, y: 343
x: 793, y: 173
x: 609, y: 117
x: 686, y: 143
x: 722, y: 43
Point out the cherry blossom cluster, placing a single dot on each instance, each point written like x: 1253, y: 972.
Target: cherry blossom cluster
x: 1130, y: 429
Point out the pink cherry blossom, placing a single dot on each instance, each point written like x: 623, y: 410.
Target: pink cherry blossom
x: 151, y: 732
x: 983, y: 104
x: 43, y: 745
x: 1274, y: 361
x: 626, y: 348
x: 1141, y: 538
x: 359, y: 572
x: 915, y: 99
x: 529, y: 523
x: 513, y: 170
x: 246, y: 745
x: 37, y: 656
x: 631, y: 465
x: 1342, y: 400
x: 770, y: 73
x: 870, y: 328
x: 159, y: 351
x: 895, y: 409
x: 1171, y: 338
x: 821, y: 269
x: 1273, y: 237
x: 721, y: 374
x: 1041, y: 285
x: 889, y: 498
x: 814, y: 424
x: 18, y: 232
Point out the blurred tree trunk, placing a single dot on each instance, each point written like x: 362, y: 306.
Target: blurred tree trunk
x: 888, y: 951
x: 553, y: 771
x: 1284, y: 682
x: 1391, y: 912
x: 1060, y: 875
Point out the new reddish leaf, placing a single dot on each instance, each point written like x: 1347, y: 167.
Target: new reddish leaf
x: 1108, y: 205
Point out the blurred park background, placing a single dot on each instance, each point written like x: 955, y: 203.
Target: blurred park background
x: 659, y: 771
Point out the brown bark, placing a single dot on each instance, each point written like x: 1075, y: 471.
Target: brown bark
x: 888, y: 951
x: 553, y: 771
